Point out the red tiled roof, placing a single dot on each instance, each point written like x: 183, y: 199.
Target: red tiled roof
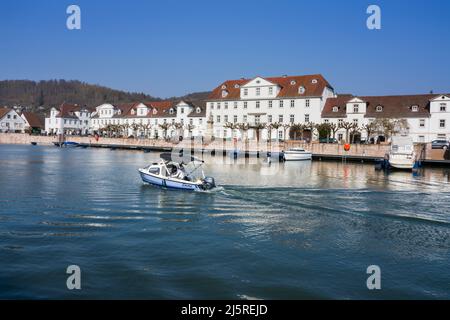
x: 4, y: 111
x: 162, y: 109
x: 287, y: 89
x: 392, y: 106
x: 66, y: 110
x: 34, y: 120
x: 339, y: 102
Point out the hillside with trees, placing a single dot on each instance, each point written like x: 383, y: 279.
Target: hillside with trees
x: 42, y: 95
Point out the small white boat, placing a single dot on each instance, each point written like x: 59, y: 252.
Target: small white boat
x: 178, y: 175
x: 402, y: 154
x: 297, y: 154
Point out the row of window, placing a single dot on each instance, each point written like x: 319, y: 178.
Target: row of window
x: 218, y: 105
x: 415, y: 108
x: 258, y: 118
x: 140, y: 121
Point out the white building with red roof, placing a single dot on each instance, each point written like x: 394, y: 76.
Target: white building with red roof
x: 283, y: 100
x: 11, y: 121
x: 68, y: 119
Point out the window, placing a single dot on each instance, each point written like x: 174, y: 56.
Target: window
x: 225, y: 133
x: 314, y: 81
x: 421, y: 138
x: 326, y: 121
x: 269, y: 118
x: 335, y: 109
x: 182, y: 110
x: 340, y: 136
x: 422, y: 123
x: 280, y: 118
x: 281, y: 103
x: 307, y: 103
x: 257, y: 119
x: 244, y: 118
x: 301, y: 90
x: 270, y: 91
x: 355, y: 122
x: 212, y: 107
x: 258, y: 91
x: 442, y: 123
x: 218, y: 105
x: 355, y: 108
x: 280, y: 134
x: 218, y: 119
x: 226, y: 118
x: 415, y: 108
x: 14, y: 116
x: 443, y: 107
x: 191, y: 121
x: 224, y: 93
x: 245, y: 104
x: 245, y: 92
x: 236, y: 86
x: 306, y: 117
x: 171, y: 111
x: 379, y: 108
x: 226, y: 105
x: 235, y: 119
x: 235, y: 105
x: 270, y: 103
x: 200, y: 121
x: 9, y: 116
x: 293, y: 82
x: 198, y: 110
x: 291, y: 118
x: 340, y: 121
x: 292, y: 103
x: 257, y: 104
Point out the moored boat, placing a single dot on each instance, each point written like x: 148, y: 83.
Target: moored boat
x: 66, y: 144
x: 402, y: 154
x: 178, y: 175
x: 297, y: 154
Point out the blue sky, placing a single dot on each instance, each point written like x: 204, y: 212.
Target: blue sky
x: 168, y: 48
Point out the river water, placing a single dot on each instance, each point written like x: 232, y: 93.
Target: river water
x: 288, y: 231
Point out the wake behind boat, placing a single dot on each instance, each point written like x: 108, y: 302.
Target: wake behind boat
x: 178, y: 175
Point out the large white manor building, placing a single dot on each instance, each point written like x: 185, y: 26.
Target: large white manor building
x: 269, y: 106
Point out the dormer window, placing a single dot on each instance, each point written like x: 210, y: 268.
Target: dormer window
x: 293, y: 82
x: 335, y: 109
x: 415, y: 108
x: 443, y: 107
x: 224, y: 93
x: 355, y: 108
x: 301, y: 90
x: 155, y: 111
x: 198, y: 110
x: 379, y: 108
x: 171, y: 111
x: 236, y: 86
x: 314, y: 81
x: 132, y: 111
x: 224, y: 86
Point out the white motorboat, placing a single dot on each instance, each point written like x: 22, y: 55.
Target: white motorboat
x: 402, y: 154
x: 179, y: 175
x: 297, y: 154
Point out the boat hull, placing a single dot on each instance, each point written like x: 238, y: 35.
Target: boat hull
x: 403, y: 165
x: 169, y: 183
x: 292, y: 156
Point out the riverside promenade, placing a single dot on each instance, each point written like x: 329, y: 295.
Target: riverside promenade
x: 321, y: 151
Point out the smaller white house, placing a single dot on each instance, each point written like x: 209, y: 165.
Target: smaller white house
x: 68, y: 119
x: 11, y: 121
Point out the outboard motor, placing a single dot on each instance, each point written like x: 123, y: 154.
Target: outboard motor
x: 209, y: 183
